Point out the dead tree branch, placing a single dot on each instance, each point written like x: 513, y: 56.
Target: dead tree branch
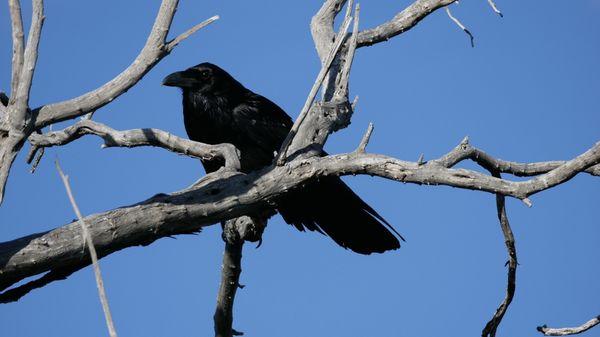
x: 92, y: 251
x: 138, y: 137
x: 313, y: 91
x: 225, y: 195
x: 18, y: 44
x: 569, y: 331
x: 403, y: 21
x: 461, y: 26
x: 235, y: 232
x: 154, y: 51
x: 509, y: 240
x: 18, y: 121
x: 230, y: 276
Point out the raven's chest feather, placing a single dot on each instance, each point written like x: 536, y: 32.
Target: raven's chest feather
x: 207, y: 120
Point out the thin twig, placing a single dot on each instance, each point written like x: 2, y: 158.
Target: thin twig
x: 173, y: 43
x: 365, y: 139
x: 569, y: 331
x: 92, y: 251
x: 459, y: 24
x: 313, y: 91
x: 494, y: 8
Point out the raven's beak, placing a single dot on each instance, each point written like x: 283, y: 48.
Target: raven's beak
x: 179, y: 79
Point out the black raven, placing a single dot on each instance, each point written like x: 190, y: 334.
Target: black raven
x: 219, y: 109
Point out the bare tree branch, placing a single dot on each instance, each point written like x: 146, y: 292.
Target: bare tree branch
x: 313, y: 91
x: 225, y: 195
x: 509, y: 240
x: 235, y: 232
x: 569, y: 331
x: 18, y: 44
x: 173, y: 43
x: 139, y: 137
x: 461, y: 26
x: 18, y: 123
x: 365, y: 139
x: 19, y: 109
x: 154, y: 51
x: 402, y: 22
x: 92, y: 251
x: 494, y: 8
x: 230, y: 276
x: 321, y: 26
x: 17, y: 120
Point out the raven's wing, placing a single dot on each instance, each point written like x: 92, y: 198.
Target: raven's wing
x: 327, y: 205
x: 261, y: 126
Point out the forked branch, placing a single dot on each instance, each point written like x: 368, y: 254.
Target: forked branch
x: 225, y: 195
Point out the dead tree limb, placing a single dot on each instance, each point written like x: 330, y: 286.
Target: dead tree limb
x: 511, y: 283
x: 156, y: 48
x: 88, y: 241
x: 235, y: 232
x: 18, y: 121
x: 138, y: 137
x: 569, y: 331
x: 225, y: 195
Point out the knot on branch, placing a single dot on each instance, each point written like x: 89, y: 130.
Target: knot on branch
x: 244, y: 228
x: 338, y: 112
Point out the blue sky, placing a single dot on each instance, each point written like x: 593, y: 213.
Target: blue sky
x: 528, y: 91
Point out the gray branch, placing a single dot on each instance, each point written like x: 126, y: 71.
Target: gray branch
x: 18, y: 44
x: 225, y: 195
x: 154, y: 51
x: 235, y: 232
x: 400, y: 23
x: 139, y: 137
x: 569, y: 331
x: 19, y: 106
x: 17, y: 122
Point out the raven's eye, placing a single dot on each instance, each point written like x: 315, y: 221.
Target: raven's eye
x: 205, y: 74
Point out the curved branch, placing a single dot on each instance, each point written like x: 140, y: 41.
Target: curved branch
x: 511, y: 284
x: 569, y: 331
x: 155, y: 49
x: 138, y: 137
x: 400, y: 23
x: 225, y: 195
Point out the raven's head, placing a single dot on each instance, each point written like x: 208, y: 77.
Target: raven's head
x: 203, y: 78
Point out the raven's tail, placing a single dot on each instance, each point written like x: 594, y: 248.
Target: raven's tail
x: 330, y: 207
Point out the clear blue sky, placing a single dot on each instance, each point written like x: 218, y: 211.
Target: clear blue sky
x: 528, y: 91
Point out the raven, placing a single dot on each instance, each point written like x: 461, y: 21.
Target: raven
x: 219, y: 109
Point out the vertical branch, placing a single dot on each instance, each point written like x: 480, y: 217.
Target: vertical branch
x: 18, y: 44
x: 230, y: 277
x: 92, y: 250
x: 341, y: 90
x: 11, y: 141
x: 509, y: 241
x: 335, y: 48
x: 18, y: 111
x: 235, y: 232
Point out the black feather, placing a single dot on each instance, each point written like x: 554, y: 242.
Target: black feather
x: 219, y: 109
